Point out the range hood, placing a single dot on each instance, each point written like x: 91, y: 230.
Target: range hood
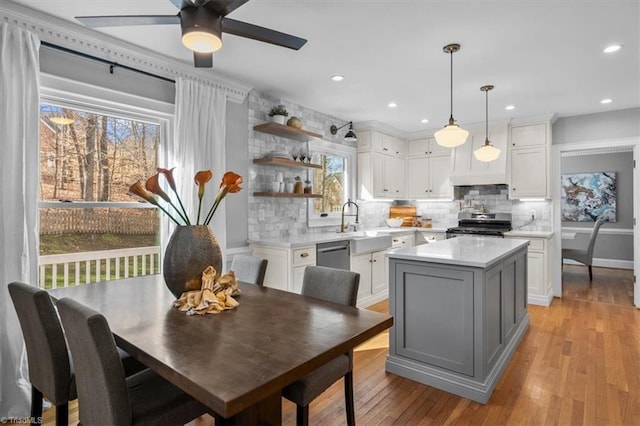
x: 466, y: 170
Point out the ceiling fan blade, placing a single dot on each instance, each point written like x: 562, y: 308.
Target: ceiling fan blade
x: 224, y: 7
x: 254, y: 32
x: 127, y: 20
x: 203, y: 60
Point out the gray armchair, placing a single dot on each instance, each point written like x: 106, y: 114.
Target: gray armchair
x: 585, y: 256
x: 338, y: 286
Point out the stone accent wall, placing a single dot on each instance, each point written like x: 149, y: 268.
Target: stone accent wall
x: 281, y: 217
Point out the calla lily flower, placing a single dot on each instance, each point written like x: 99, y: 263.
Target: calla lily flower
x: 230, y: 183
x: 201, y: 178
x: 138, y: 190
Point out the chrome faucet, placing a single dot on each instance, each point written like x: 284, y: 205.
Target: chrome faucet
x: 349, y: 202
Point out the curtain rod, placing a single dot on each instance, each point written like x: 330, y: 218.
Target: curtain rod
x: 111, y: 64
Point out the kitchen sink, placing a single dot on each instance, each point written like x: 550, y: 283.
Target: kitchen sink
x: 363, y: 243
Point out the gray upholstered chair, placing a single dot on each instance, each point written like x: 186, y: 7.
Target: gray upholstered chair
x: 585, y: 256
x: 249, y: 269
x: 105, y: 395
x: 338, y: 286
x: 51, y: 371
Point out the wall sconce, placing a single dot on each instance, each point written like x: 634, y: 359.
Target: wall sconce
x: 350, y: 136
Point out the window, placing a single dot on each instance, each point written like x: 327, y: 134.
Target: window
x: 91, y: 151
x: 335, y: 181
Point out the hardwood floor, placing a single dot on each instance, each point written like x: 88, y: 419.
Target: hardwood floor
x: 579, y: 364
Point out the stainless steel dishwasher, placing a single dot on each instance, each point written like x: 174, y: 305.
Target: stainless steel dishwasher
x: 333, y: 255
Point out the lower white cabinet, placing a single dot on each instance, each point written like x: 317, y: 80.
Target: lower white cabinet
x: 401, y: 241
x: 373, y: 278
x: 285, y: 267
x: 539, y: 289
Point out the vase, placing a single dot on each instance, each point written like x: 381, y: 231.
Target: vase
x: 278, y: 119
x: 190, y: 250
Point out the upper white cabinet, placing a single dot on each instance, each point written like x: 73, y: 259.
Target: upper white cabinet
x: 530, y: 163
x: 467, y: 170
x: 381, y: 166
x: 426, y: 146
x: 428, y: 177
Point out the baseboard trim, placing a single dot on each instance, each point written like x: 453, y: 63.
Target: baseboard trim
x: 605, y: 263
x: 541, y: 300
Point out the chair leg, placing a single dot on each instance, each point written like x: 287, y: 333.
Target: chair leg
x: 348, y: 399
x: 62, y: 414
x: 302, y: 415
x: 590, y: 274
x: 36, y: 405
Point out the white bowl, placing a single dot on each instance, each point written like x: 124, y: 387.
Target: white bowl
x: 394, y: 222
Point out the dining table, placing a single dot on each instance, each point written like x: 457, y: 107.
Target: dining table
x: 238, y: 361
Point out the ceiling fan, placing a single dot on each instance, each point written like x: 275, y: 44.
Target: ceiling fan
x: 202, y: 23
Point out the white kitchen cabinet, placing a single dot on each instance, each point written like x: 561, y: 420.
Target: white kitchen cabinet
x: 381, y: 176
x: 401, y: 241
x: 529, y: 173
x: 529, y: 135
x: 530, y: 162
x: 424, y: 147
x: 285, y: 268
x: 373, y: 278
x: 428, y: 177
x: 539, y: 289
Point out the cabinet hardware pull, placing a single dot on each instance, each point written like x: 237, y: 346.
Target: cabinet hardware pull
x: 304, y: 254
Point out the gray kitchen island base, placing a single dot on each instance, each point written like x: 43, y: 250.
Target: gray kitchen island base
x: 457, y: 322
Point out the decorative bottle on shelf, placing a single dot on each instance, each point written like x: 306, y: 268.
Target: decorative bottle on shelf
x: 298, y: 186
x: 307, y: 187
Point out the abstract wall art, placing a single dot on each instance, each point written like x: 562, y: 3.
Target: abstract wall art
x: 588, y: 196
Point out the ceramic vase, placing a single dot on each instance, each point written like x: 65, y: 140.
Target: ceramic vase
x: 190, y: 250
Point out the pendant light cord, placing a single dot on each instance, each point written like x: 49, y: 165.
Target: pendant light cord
x: 451, y: 88
x: 486, y: 121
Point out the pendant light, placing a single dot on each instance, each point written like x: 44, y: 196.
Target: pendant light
x: 487, y: 152
x: 451, y: 135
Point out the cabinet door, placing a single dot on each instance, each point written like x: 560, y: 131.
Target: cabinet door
x: 529, y: 177
x: 381, y: 188
x: 439, y: 170
x: 388, y: 144
x: 418, y: 147
x: 364, y: 140
x: 401, y: 148
x: 365, y: 176
x: 435, y: 149
x: 378, y: 273
x: 361, y: 264
x: 298, y: 276
x: 277, y: 274
x: 394, y: 171
x: 418, y: 171
x: 535, y: 273
x: 531, y: 135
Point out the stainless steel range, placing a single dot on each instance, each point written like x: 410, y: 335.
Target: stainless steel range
x: 481, y: 225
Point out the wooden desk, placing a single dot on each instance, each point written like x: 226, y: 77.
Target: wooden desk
x: 237, y: 362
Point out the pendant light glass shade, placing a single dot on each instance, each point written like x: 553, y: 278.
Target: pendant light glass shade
x: 451, y: 135
x: 487, y: 152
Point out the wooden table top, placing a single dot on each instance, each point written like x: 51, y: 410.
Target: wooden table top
x: 232, y: 360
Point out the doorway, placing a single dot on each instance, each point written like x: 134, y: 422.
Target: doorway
x: 556, y: 170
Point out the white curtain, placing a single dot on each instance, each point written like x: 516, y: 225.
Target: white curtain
x: 19, y: 116
x: 199, y: 144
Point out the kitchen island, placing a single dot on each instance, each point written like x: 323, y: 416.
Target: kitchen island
x: 460, y: 311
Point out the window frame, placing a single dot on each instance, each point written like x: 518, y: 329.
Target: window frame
x: 62, y: 92
x: 349, y: 153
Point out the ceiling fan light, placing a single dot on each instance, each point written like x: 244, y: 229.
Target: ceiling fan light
x: 451, y: 136
x: 201, y: 41
x: 487, y: 153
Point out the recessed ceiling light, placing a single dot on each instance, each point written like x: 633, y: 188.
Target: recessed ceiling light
x: 337, y: 77
x: 612, y: 48
x: 510, y: 107
x: 606, y: 101
x: 392, y: 105
x: 424, y: 121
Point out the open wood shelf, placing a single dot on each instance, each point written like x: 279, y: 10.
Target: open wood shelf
x: 286, y: 132
x: 275, y: 161
x: 285, y: 195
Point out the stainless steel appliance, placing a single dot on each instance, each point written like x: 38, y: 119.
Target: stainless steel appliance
x: 481, y: 225
x: 334, y: 254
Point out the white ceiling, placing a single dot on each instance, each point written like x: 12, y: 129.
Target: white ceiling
x: 544, y: 56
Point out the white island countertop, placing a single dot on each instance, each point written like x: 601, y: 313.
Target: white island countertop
x: 464, y: 251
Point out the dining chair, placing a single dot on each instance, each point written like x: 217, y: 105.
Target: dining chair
x: 338, y: 286
x: 51, y: 369
x: 585, y: 256
x: 105, y: 395
x: 249, y: 269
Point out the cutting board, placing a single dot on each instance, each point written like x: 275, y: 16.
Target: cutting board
x: 405, y: 212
